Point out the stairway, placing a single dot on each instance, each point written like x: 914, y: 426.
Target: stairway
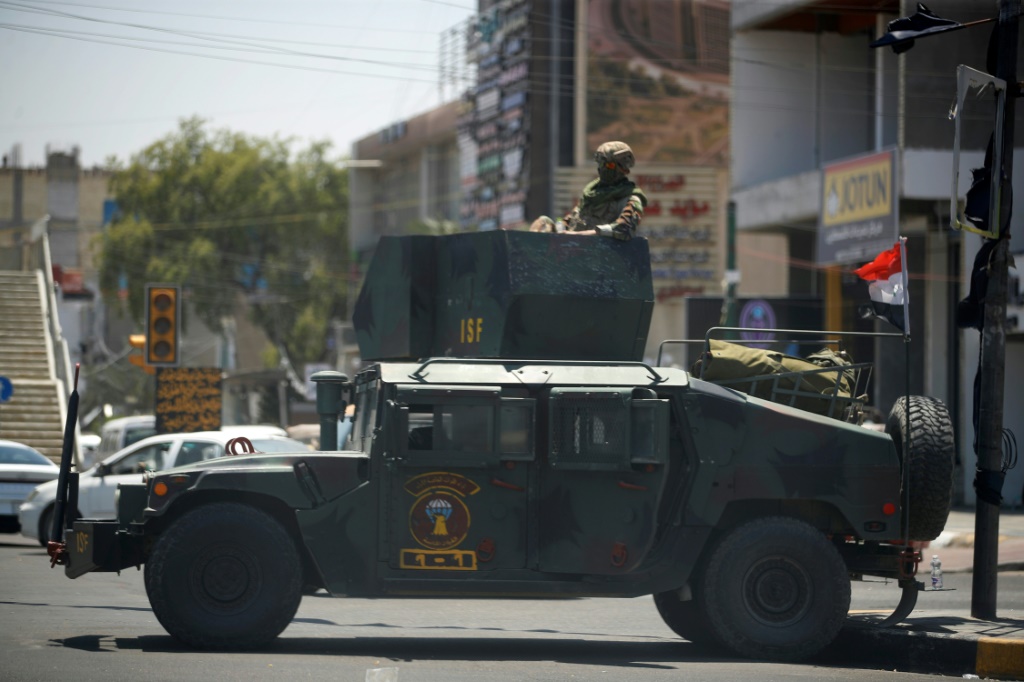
x: 33, y: 414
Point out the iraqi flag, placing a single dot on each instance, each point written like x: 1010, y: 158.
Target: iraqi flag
x: 887, y: 286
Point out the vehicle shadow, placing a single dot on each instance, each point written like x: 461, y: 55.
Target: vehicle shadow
x: 105, y: 607
x: 518, y: 646
x: 640, y: 655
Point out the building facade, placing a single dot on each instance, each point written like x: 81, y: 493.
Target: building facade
x: 553, y: 80
x: 813, y: 107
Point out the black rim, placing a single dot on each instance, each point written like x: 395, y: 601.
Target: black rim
x: 225, y: 580
x: 777, y: 591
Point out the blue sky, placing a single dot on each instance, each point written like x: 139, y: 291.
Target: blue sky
x: 63, y: 82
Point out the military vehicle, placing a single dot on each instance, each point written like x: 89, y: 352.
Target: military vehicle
x: 509, y: 441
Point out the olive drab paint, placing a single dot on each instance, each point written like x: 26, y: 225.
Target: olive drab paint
x: 505, y: 294
x: 529, y: 454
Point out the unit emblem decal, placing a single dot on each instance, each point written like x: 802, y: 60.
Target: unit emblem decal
x: 439, y: 518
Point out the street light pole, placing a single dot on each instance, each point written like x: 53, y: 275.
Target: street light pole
x: 993, y: 336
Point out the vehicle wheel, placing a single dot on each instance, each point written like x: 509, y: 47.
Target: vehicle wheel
x: 930, y: 462
x: 226, y: 576
x: 45, y: 525
x: 776, y: 588
x: 686, y: 618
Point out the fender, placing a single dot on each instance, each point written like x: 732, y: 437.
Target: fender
x: 299, y: 481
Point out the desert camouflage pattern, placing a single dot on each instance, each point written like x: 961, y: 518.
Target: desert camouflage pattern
x: 622, y: 216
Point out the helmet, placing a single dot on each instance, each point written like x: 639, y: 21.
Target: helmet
x: 615, y: 152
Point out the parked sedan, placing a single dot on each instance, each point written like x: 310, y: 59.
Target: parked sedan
x: 21, y: 470
x: 97, y: 487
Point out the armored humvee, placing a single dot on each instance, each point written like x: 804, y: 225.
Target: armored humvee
x: 508, y: 440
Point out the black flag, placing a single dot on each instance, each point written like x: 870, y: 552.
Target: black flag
x: 903, y: 31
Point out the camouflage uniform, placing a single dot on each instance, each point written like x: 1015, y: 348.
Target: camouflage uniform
x: 611, y: 204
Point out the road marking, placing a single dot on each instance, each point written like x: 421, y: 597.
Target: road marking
x: 382, y: 675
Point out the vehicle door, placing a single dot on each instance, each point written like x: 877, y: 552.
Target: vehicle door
x: 459, y: 468
x: 97, y: 498
x: 602, y: 479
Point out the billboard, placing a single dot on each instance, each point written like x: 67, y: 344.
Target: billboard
x: 657, y: 76
x: 859, y: 208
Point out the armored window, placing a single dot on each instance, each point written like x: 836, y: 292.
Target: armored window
x: 606, y: 430
x: 589, y: 429
x: 450, y: 423
x: 364, y: 420
x: 516, y: 433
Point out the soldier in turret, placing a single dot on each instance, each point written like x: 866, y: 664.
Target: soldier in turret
x: 611, y: 205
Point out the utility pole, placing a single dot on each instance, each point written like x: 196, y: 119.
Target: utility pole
x: 993, y: 336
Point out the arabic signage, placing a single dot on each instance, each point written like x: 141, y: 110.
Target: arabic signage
x: 859, y: 208
x: 681, y: 224
x: 188, y: 399
x: 494, y: 136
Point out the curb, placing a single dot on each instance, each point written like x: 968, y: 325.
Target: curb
x: 907, y: 650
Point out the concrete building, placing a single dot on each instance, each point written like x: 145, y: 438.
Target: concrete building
x: 809, y: 100
x: 552, y: 81
x: 405, y: 178
x: 72, y: 205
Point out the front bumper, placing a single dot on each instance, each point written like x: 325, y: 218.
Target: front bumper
x: 28, y: 517
x: 100, y: 546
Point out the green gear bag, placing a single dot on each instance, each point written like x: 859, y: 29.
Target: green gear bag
x: 778, y: 377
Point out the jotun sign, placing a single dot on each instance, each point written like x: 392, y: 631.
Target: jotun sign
x: 859, y: 208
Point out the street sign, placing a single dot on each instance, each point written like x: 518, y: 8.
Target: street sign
x: 6, y: 389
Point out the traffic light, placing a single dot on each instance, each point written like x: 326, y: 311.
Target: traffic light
x: 138, y: 341
x: 163, y: 317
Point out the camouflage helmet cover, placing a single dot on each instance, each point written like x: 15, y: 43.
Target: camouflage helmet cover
x: 617, y: 152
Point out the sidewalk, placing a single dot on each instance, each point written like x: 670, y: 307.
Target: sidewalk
x: 950, y: 643
x: 955, y: 546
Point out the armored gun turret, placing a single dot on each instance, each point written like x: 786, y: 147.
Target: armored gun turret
x: 505, y: 294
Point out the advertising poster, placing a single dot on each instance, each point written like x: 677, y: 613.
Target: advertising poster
x: 658, y: 78
x: 859, y: 208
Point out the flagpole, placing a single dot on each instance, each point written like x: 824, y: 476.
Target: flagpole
x: 906, y: 387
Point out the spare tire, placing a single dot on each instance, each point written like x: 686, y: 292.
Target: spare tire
x: 928, y: 464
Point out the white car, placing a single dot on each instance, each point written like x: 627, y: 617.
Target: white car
x: 21, y: 470
x: 97, y: 487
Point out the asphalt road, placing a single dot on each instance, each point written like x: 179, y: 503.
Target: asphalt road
x: 100, y: 627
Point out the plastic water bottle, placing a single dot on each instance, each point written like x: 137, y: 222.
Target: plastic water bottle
x: 936, y: 572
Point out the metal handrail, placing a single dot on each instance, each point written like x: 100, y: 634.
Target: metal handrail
x: 57, y: 347
x: 418, y: 374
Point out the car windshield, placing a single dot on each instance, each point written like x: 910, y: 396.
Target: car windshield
x: 20, y: 454
x: 278, y: 445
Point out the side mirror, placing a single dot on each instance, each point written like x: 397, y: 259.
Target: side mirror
x: 102, y: 469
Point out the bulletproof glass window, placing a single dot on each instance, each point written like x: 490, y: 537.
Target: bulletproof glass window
x: 364, y: 420
x: 606, y: 430
x: 516, y: 430
x: 459, y: 423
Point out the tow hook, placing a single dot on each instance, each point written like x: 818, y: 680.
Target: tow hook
x: 58, y: 552
x: 909, y: 559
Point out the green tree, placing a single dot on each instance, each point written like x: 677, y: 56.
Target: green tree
x: 225, y: 214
